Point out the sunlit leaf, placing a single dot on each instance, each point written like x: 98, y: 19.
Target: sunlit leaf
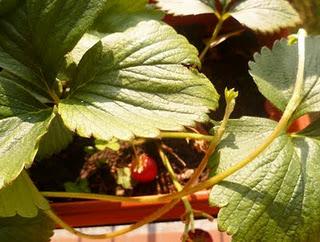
x: 135, y: 83
x: 265, y: 15
x: 274, y: 198
x: 23, y: 121
x: 275, y: 74
x: 186, y: 7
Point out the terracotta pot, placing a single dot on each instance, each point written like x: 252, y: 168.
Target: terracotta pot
x: 92, y: 213
x: 276, y: 114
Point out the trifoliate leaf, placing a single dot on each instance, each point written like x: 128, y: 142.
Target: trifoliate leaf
x: 265, y: 15
x: 56, y: 139
x: 275, y: 197
x: 23, y: 121
x: 186, y: 7
x: 18, y: 229
x: 275, y: 74
x: 135, y: 83
x: 21, y: 198
x: 122, y: 14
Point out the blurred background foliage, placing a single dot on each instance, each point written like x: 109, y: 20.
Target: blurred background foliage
x: 310, y: 13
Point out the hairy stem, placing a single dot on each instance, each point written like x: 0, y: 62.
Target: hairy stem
x: 230, y: 97
x: 185, y: 135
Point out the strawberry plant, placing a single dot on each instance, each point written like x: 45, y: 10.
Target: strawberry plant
x: 112, y: 70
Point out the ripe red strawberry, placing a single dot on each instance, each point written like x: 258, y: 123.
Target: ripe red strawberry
x: 144, y: 169
x: 199, y: 235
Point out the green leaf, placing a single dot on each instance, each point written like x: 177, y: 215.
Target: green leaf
x: 11, y: 65
x: 23, y: 121
x: 275, y: 197
x: 117, y: 16
x: 275, y: 74
x: 122, y: 14
x: 38, y: 93
x: 265, y: 15
x: 112, y: 144
x: 17, y: 229
x: 186, y: 7
x: 134, y: 83
x: 124, y: 177
x: 84, y: 44
x: 81, y: 185
x: 21, y: 198
x: 57, y: 26
x: 39, y: 33
x: 16, y: 52
x: 56, y: 139
x: 72, y: 59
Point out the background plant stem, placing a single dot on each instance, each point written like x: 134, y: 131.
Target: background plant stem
x: 213, y: 38
x: 188, y: 207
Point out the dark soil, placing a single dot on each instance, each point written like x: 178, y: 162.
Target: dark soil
x: 100, y: 168
x: 226, y: 66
